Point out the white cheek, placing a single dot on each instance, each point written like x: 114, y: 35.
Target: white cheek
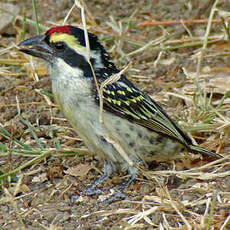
x: 97, y: 56
x: 70, y: 79
x: 66, y: 69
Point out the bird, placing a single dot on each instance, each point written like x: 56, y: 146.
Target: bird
x: 133, y: 129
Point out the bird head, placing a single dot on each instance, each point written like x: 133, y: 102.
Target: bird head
x: 67, y: 43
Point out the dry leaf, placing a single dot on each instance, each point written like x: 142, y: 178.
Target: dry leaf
x: 80, y: 170
x: 40, y: 178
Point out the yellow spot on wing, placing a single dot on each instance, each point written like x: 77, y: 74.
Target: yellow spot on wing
x: 129, y: 89
x: 109, y: 99
x: 134, y: 100
x: 121, y: 92
x: 106, y: 91
x: 139, y: 98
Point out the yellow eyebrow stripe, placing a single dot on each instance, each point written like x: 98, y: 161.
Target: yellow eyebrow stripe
x: 67, y: 38
x: 70, y: 40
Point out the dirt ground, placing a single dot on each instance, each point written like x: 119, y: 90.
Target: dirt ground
x: 50, y: 161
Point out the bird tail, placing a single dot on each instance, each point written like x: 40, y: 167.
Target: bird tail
x: 204, y: 152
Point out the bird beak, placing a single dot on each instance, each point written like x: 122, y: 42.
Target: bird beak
x: 37, y: 47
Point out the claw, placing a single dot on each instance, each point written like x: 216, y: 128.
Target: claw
x: 117, y: 195
x: 91, y: 191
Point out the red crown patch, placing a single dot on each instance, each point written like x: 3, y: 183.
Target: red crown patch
x: 59, y: 29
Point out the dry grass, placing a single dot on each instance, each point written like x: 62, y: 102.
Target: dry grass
x: 185, y: 68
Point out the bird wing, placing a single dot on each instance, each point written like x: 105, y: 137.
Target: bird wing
x: 125, y: 100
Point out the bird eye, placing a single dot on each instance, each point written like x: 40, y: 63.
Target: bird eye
x: 59, y: 45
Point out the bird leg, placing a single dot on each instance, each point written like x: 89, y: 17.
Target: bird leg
x: 108, y: 170
x: 119, y: 192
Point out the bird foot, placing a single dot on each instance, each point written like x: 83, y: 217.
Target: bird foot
x: 116, y: 195
x: 92, y: 191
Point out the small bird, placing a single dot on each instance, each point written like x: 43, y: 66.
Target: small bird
x: 134, y: 129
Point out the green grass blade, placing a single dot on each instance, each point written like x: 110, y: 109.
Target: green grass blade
x: 7, y: 135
